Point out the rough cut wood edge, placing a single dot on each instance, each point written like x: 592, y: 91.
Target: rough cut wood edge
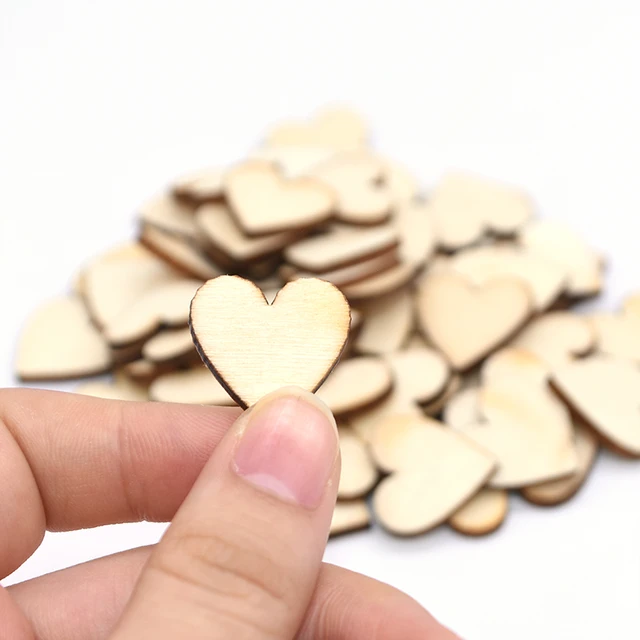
x: 234, y: 396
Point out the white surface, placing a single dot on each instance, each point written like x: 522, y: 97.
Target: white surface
x: 102, y: 103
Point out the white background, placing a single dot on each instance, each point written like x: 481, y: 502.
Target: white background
x: 101, y: 103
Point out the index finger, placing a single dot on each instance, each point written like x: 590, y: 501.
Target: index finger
x: 72, y: 462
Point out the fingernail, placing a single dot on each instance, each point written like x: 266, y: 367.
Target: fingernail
x: 288, y: 446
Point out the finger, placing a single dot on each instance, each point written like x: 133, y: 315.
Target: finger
x: 84, y: 603
x: 70, y: 461
x: 242, y: 555
x: 13, y: 623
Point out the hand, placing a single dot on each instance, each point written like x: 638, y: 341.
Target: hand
x: 250, y: 497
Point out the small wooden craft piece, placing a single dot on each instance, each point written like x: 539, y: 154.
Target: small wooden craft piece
x: 170, y: 345
x: 463, y: 408
x: 348, y: 516
x: 112, y: 286
x: 191, y: 386
x: 264, y: 201
x: 388, y: 322
x: 464, y: 207
x: 340, y: 247
x: 483, y: 514
x: 202, y: 186
x: 435, y: 472
x: 356, y: 383
x: 557, y: 243
x: 400, y: 181
x: 220, y: 231
x: 604, y: 393
x: 631, y: 305
x: 618, y: 335
x: 121, y: 388
x: 527, y: 429
x: 179, y: 253
x: 558, y: 491
x: 60, y: 342
x: 171, y: 215
x: 467, y: 322
x: 545, y: 278
x: 254, y: 348
x: 381, y: 283
x: 434, y: 407
x: 557, y: 337
x: 358, y: 474
x: 350, y: 274
x: 166, y: 305
x: 335, y: 128
x: 356, y: 179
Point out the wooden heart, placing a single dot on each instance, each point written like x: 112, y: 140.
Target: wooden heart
x: 264, y: 201
x: 254, y: 347
x: 467, y: 322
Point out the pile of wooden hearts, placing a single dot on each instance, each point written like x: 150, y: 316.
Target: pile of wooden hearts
x: 465, y: 375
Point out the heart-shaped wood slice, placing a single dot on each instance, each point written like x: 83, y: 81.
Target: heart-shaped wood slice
x: 170, y: 345
x: 191, y: 386
x: 349, y: 515
x: 60, y: 342
x: 466, y: 321
x: 436, y: 472
x: 253, y: 347
x: 358, y: 475
x: 605, y: 393
x: 558, y: 491
x: 203, y: 186
x: 264, y: 201
x: 618, y: 335
x: 171, y: 215
x: 483, y: 514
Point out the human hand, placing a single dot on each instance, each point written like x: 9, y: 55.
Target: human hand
x: 250, y: 497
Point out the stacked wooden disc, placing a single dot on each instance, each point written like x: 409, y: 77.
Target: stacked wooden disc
x: 466, y: 376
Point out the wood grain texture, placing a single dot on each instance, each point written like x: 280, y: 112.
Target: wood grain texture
x: 254, y: 348
x: 483, y: 514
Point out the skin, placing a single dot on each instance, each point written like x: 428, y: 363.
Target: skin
x: 236, y: 561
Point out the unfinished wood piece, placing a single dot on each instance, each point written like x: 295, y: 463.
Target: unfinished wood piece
x: 435, y: 406
x: 381, y: 283
x: 515, y: 363
x: 416, y: 231
x: 340, y: 246
x: 254, y: 348
x: 112, y: 286
x: 264, y: 201
x: 357, y: 180
x: 364, y: 422
x: 221, y: 231
x: 527, y: 429
x: 179, y: 253
x: 294, y: 161
x: 142, y: 371
x: 557, y: 337
x: 164, y: 306
x: 190, y: 386
x: 604, y: 393
x: 59, y: 342
x: 560, y: 244
x: 334, y: 128
x: 617, y: 335
x: 356, y: 383
x: 559, y: 491
x: 545, y: 278
x: 483, y: 514
x: 388, y: 321
x: 202, y: 186
x: 351, y: 274
x: 168, y: 213
x: 465, y: 207
x: 436, y: 472
x: 348, y: 516
x: 169, y: 345
x: 468, y: 321
x: 358, y: 475
x: 119, y: 389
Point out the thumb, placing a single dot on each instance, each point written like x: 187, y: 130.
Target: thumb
x: 241, y: 558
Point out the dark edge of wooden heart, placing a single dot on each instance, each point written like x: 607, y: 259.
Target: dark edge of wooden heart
x: 234, y: 396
